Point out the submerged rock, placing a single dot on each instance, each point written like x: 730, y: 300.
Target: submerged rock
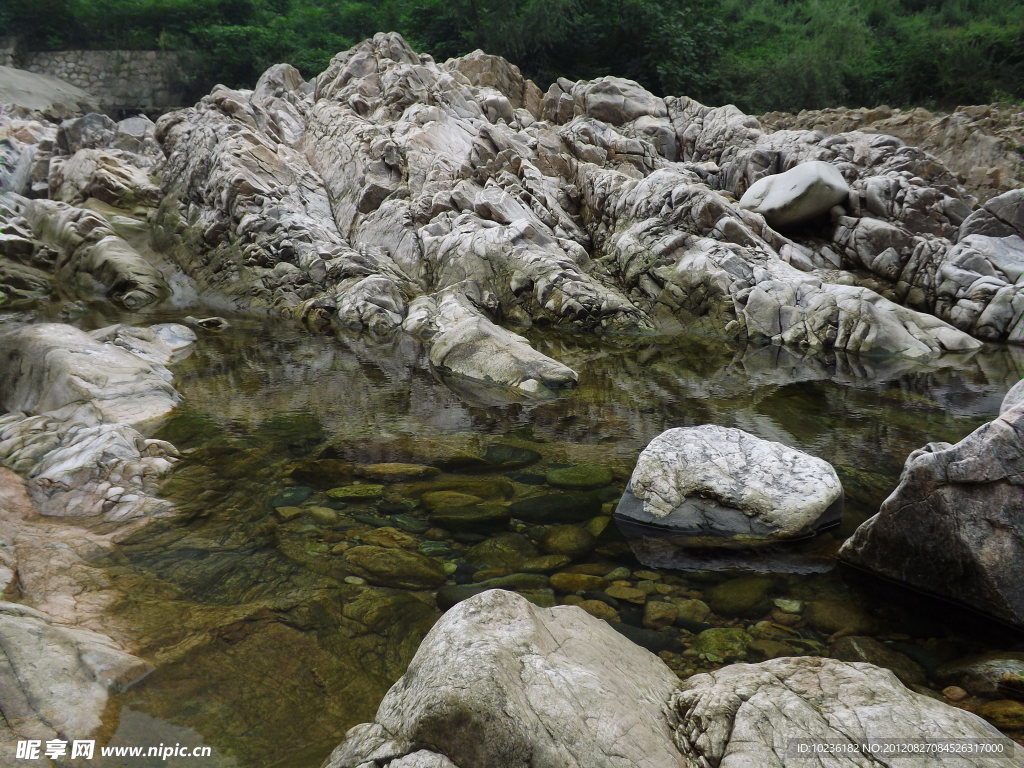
x: 719, y: 487
x: 954, y: 526
x: 994, y: 675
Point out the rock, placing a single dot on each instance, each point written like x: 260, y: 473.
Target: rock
x: 388, y: 567
x: 54, y: 680
x: 722, y: 644
x: 999, y: 217
x: 506, y: 550
x: 389, y: 537
x: 691, y: 610
x: 852, y: 648
x: 544, y: 563
x: 431, y: 205
x: 107, y: 175
x: 720, y: 487
x: 91, y: 257
x: 629, y: 594
x: 831, y: 616
x: 470, y: 518
x: 396, y: 472
x: 287, y: 513
x: 955, y: 524
x: 564, y: 507
x: 357, y: 492
x: 323, y: 515
x: 442, y: 499
x: 291, y: 497
x: 746, y: 597
x: 34, y: 94
x: 659, y: 614
x: 576, y: 582
x: 954, y: 693
x: 569, y: 540
x: 599, y: 609
x: 993, y: 675
x: 754, y: 714
x: 801, y: 193
x: 500, y: 682
x: 502, y: 456
x: 583, y: 477
x: 1013, y: 398
x: 1006, y: 714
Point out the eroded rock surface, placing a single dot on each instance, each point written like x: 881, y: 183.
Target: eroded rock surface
x: 955, y: 524
x: 726, y: 487
x: 500, y: 682
x: 449, y: 200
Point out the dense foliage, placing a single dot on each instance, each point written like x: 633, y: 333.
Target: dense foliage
x: 758, y: 54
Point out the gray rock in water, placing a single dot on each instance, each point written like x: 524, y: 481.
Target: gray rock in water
x: 801, y: 193
x: 500, y: 683
x: 723, y: 487
x: 954, y: 526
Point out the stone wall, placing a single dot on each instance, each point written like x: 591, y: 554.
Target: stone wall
x: 8, y: 51
x: 146, y: 81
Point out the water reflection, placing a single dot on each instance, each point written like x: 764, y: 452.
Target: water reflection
x: 266, y: 641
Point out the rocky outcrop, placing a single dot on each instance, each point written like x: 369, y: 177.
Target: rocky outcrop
x: 499, y: 682
x: 449, y: 200
x: 29, y: 94
x: 954, y: 526
x: 76, y: 407
x: 725, y: 488
x: 978, y: 143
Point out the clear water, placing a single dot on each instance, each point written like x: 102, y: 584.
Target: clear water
x: 264, y: 651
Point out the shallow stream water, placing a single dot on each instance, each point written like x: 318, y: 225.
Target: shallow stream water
x: 266, y: 648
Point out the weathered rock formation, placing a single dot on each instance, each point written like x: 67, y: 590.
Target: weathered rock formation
x: 979, y: 143
x: 36, y: 95
x: 954, y: 526
x: 449, y: 200
x: 724, y: 487
x: 499, y: 682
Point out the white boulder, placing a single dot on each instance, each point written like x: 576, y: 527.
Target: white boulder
x: 801, y: 193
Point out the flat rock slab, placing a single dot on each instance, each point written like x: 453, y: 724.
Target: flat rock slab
x: 724, y: 487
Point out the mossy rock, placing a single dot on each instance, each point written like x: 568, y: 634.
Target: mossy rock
x: 394, y: 472
x: 582, y: 477
x: 502, y: 456
x: 473, y: 517
x: 747, y: 597
x: 321, y: 473
x: 357, y: 492
x: 506, y: 550
x: 722, y: 644
x: 569, y: 540
x: 484, y: 488
x: 433, y: 500
x: 388, y: 567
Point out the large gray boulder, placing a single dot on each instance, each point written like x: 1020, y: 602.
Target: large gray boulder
x: 797, y: 195
x: 500, y: 683
x: 721, y: 487
x: 954, y: 526
x: 35, y: 95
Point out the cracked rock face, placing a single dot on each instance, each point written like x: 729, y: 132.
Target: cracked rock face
x: 724, y: 487
x: 450, y: 201
x: 500, y: 683
x: 955, y: 524
x: 79, y: 406
x: 756, y: 714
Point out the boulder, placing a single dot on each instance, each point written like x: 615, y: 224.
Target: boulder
x: 44, y: 96
x: 797, y: 195
x: 1013, y: 398
x: 996, y: 675
x: 954, y: 526
x: 500, y: 682
x: 721, y: 487
x: 761, y: 714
